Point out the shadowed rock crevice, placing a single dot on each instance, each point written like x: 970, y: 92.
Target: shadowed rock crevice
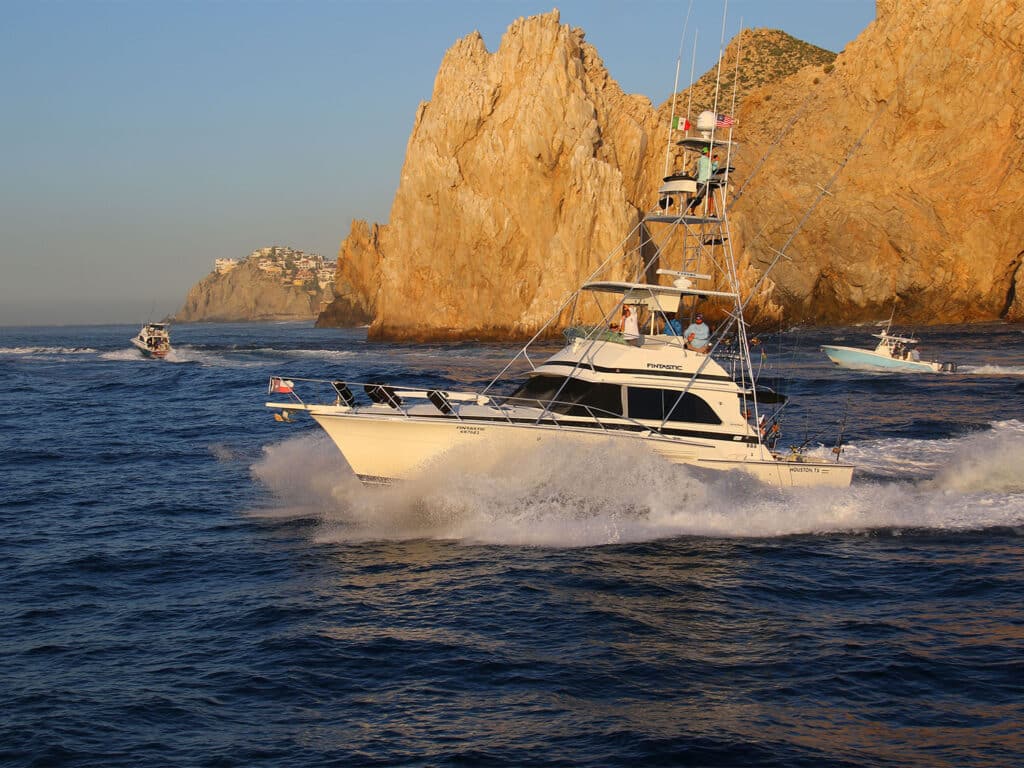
x: 1013, y: 309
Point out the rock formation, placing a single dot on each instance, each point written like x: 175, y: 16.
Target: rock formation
x: 522, y: 173
x: 249, y: 293
x: 355, y: 288
x: 529, y: 165
x: 928, y: 207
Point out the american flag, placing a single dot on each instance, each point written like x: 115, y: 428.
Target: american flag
x: 724, y: 121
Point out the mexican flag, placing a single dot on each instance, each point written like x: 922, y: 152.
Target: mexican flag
x: 680, y: 124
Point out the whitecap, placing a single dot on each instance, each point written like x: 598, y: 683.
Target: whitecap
x: 47, y: 351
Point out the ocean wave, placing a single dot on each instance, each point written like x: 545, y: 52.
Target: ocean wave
x: 600, y: 494
x: 47, y: 351
x: 330, y: 354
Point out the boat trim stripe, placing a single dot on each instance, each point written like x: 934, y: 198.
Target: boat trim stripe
x: 633, y: 371
x: 566, y: 424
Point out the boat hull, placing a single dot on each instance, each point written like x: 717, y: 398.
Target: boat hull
x: 387, y: 447
x: 863, y: 359
x: 147, y: 352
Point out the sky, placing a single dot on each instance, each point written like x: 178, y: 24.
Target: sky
x: 142, y: 139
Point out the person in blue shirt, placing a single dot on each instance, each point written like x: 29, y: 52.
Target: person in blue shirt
x: 673, y: 327
x: 697, y: 334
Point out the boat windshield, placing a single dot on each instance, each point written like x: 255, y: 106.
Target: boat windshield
x: 572, y: 399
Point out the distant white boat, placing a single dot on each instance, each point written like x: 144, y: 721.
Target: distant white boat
x: 153, y: 340
x: 893, y: 353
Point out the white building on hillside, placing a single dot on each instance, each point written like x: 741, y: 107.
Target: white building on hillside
x: 223, y: 266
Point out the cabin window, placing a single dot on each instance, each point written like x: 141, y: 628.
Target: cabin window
x: 656, y: 404
x: 603, y: 398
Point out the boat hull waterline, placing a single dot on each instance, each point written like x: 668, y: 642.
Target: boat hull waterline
x: 383, y: 448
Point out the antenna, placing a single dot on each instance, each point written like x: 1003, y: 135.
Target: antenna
x: 675, y: 91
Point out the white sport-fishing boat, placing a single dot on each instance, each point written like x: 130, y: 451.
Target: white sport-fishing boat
x: 153, y: 340
x: 894, y: 353
x: 699, y: 407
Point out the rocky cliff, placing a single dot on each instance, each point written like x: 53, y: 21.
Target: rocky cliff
x: 356, y: 287
x: 248, y: 293
x: 921, y: 117
x: 530, y: 164
x: 522, y: 172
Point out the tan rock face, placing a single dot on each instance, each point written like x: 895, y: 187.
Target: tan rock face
x: 529, y: 165
x: 928, y: 209
x: 355, y: 288
x: 244, y: 294
x: 522, y: 173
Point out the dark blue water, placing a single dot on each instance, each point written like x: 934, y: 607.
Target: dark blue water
x: 188, y: 583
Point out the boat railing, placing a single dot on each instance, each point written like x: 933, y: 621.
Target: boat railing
x: 550, y: 409
x: 600, y: 333
x: 358, y: 395
x: 593, y: 333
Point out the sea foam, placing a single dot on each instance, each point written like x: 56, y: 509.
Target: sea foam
x: 570, y: 495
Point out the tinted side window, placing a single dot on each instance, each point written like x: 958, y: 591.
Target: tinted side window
x: 647, y: 403
x: 541, y: 388
x: 603, y: 398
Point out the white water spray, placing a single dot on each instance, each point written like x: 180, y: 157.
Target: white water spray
x: 565, y: 495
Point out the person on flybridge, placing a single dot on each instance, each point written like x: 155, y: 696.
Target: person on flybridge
x: 629, y: 327
x: 697, y: 334
x: 704, y: 171
x: 673, y: 326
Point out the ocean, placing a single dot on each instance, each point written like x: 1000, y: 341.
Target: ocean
x: 187, y: 582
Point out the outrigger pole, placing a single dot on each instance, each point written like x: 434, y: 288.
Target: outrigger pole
x: 675, y: 90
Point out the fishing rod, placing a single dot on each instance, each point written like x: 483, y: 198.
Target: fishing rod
x: 838, y: 449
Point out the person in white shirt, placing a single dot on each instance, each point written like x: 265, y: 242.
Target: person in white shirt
x: 629, y: 326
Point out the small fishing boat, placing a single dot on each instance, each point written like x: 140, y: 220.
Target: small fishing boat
x: 153, y: 340
x: 893, y: 353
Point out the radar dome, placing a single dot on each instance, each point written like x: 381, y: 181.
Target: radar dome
x: 706, y: 121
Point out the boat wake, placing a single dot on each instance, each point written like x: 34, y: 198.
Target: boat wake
x: 239, y: 357
x: 991, y: 370
x: 292, y: 354
x: 46, y: 351
x: 132, y: 355
x: 129, y: 355
x: 216, y: 358
x: 561, y: 496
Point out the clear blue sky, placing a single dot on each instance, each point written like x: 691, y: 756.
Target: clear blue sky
x: 142, y: 140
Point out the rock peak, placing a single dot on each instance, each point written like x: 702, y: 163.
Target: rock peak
x: 529, y: 165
